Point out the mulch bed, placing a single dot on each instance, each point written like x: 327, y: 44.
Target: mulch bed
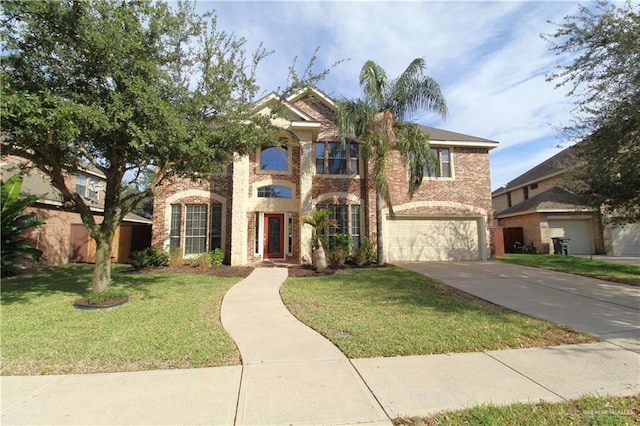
x: 297, y: 271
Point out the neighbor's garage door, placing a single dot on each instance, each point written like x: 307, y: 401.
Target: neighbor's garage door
x: 578, y: 230
x: 420, y: 239
x: 626, y: 240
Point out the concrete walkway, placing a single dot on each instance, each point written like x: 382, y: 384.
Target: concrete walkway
x: 292, y: 375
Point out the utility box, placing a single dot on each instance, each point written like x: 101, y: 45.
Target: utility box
x: 561, y: 246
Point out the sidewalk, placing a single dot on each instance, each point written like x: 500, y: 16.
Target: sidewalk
x: 292, y: 375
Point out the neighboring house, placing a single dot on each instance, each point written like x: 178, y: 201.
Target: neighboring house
x: 63, y: 238
x: 253, y: 210
x: 536, y: 207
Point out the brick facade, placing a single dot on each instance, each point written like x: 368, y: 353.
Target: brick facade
x: 466, y: 193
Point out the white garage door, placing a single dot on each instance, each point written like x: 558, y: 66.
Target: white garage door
x: 626, y: 240
x: 579, y: 231
x: 419, y: 239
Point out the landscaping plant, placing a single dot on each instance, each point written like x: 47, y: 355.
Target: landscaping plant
x: 15, y: 222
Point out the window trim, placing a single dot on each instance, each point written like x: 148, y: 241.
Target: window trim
x: 285, y: 144
x: 440, y: 163
x: 348, y: 159
x: 205, y: 233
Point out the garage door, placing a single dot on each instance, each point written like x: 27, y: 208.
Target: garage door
x: 420, y: 239
x: 578, y: 230
x: 626, y: 240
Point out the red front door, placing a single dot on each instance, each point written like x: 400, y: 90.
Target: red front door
x: 273, y: 236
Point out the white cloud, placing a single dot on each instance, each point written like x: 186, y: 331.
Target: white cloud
x: 488, y: 57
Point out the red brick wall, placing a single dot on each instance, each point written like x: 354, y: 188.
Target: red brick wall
x: 220, y: 186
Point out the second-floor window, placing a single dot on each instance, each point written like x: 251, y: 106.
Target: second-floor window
x: 442, y: 167
x: 336, y: 158
x: 274, y: 159
x: 87, y: 186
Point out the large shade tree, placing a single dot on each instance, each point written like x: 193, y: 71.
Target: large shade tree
x: 380, y: 121
x: 600, y: 51
x: 125, y: 87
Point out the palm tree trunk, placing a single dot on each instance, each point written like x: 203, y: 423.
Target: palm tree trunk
x: 379, y: 235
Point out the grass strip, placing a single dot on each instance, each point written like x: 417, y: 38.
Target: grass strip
x: 392, y: 311
x: 171, y: 321
x: 588, y: 410
x: 608, y: 271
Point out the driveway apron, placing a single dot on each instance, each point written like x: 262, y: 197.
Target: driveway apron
x: 291, y: 374
x: 605, y: 309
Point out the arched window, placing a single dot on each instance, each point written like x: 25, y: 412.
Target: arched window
x: 274, y: 191
x: 274, y: 158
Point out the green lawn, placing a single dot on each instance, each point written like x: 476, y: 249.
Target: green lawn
x: 171, y: 321
x: 588, y: 410
x: 393, y: 312
x: 617, y: 272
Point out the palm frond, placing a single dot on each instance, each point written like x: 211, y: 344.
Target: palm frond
x: 374, y: 83
x: 352, y: 117
x: 413, y: 145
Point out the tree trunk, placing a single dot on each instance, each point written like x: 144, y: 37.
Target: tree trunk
x: 320, y: 259
x: 379, y: 236
x: 102, y: 270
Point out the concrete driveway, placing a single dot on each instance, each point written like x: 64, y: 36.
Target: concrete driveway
x: 608, y: 310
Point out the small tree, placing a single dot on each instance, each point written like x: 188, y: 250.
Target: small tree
x: 14, y: 223
x: 321, y: 221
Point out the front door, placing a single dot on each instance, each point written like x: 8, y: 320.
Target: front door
x: 273, y: 236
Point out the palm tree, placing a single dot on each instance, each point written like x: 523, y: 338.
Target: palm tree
x: 378, y: 121
x: 320, y: 220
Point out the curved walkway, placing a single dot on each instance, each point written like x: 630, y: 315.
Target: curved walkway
x: 291, y: 374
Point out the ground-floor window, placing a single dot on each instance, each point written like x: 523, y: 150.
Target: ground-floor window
x: 188, y: 227
x: 195, y: 228
x: 348, y: 220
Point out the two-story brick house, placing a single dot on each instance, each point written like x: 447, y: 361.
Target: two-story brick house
x: 253, y: 210
x: 536, y: 207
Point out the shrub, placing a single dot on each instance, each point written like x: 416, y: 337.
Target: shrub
x: 366, y: 253
x: 149, y: 257
x: 343, y: 241
x: 217, y: 256
x: 175, y: 257
x: 202, y: 261
x: 336, y: 257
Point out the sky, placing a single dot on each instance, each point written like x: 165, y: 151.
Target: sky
x: 488, y: 58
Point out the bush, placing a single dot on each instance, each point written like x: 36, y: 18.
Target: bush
x: 336, y: 257
x: 366, y: 253
x: 217, y: 256
x: 175, y: 257
x: 202, y: 261
x: 343, y: 241
x: 149, y: 257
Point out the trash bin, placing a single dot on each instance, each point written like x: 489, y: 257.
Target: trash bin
x: 561, y: 246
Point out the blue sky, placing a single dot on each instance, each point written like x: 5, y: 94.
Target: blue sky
x: 488, y: 58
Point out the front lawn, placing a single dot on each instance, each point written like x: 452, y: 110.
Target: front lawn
x: 609, y: 271
x: 392, y: 311
x: 588, y: 410
x: 171, y: 321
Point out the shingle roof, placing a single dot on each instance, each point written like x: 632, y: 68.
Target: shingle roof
x: 555, y: 198
x: 554, y: 165
x: 436, y: 134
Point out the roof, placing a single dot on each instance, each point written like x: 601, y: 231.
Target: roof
x: 550, y: 167
x: 37, y: 184
x: 554, y: 199
x: 436, y: 134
